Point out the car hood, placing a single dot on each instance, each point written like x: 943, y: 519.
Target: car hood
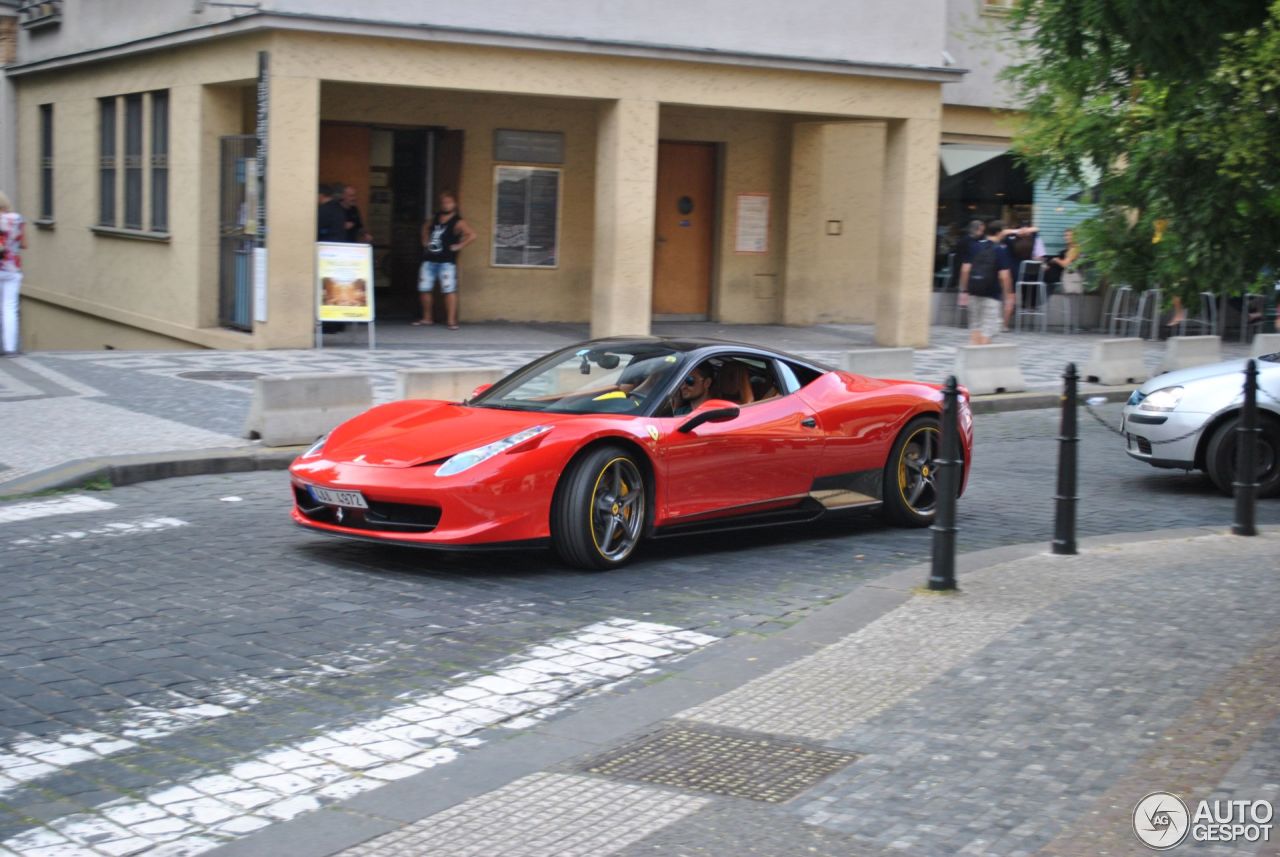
x: 1211, y: 389
x: 407, y: 434
x: 1209, y: 372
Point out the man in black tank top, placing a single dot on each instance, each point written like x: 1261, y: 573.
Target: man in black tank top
x: 443, y: 236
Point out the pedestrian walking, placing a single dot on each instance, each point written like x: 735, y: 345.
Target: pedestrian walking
x: 13, y: 240
x: 974, y: 231
x: 443, y: 237
x: 986, y: 285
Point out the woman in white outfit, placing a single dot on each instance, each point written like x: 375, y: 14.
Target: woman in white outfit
x: 13, y: 240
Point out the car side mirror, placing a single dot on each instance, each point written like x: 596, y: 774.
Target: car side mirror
x: 478, y: 390
x: 710, y: 411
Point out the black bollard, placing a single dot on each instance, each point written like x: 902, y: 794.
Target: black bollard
x: 1064, y: 528
x: 942, y: 576
x: 1246, y: 481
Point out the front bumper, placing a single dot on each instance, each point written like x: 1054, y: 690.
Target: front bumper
x: 413, y: 506
x: 1163, y: 439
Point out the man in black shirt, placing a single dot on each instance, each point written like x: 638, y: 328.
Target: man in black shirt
x: 331, y: 218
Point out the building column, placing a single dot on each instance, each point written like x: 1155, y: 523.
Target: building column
x: 909, y: 210
x: 293, y: 152
x: 832, y: 273
x: 626, y: 184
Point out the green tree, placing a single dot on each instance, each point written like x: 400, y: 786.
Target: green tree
x: 1171, y: 110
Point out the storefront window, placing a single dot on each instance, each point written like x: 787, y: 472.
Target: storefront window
x: 977, y: 181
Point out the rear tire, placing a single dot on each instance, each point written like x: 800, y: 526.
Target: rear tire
x: 600, y: 509
x: 910, y: 486
x: 1220, y: 457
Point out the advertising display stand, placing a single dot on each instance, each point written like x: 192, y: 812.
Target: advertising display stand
x: 344, y: 287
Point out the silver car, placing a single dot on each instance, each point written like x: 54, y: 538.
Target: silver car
x: 1187, y: 419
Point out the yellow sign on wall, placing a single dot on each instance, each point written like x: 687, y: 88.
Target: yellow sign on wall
x: 344, y: 288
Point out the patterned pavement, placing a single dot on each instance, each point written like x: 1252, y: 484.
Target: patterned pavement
x: 1034, y: 732
x: 181, y: 669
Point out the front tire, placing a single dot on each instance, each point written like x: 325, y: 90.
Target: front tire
x: 1220, y: 457
x: 599, y: 512
x: 910, y: 474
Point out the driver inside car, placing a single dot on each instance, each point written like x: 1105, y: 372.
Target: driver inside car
x: 695, y: 388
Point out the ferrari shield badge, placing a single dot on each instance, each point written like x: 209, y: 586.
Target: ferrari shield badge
x: 653, y: 431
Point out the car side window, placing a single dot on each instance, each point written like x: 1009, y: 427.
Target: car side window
x: 745, y: 380
x: 795, y: 377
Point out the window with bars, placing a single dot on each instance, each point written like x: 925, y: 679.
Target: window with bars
x: 160, y: 161
x: 46, y: 162
x: 133, y: 162
x: 107, y: 162
x: 133, y: 191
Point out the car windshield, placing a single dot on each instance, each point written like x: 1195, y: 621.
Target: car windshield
x: 616, y: 379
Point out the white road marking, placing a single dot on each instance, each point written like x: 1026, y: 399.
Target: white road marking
x: 285, y: 781
x: 58, y: 378
x: 45, y: 508
x: 32, y: 758
x: 12, y: 388
x: 119, y: 528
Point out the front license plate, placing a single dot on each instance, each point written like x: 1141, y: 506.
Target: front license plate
x: 350, y: 499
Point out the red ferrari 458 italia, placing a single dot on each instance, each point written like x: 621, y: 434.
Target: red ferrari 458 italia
x: 596, y: 447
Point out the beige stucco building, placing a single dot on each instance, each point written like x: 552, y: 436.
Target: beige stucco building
x: 614, y: 172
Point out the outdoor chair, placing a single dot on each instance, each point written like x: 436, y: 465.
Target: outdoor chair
x: 1126, y: 322
x: 1205, y: 321
x: 1117, y: 308
x: 1031, y: 282
x: 1251, y: 304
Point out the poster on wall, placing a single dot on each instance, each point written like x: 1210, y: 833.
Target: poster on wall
x: 752, y: 235
x: 526, y: 228
x: 344, y: 287
x: 260, y: 284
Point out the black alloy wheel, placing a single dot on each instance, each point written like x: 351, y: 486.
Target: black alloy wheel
x: 600, y: 510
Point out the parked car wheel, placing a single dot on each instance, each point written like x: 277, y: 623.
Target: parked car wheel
x: 599, y: 513
x: 1220, y: 457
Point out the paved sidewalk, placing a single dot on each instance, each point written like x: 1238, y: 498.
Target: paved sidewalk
x: 1026, y: 715
x: 64, y: 408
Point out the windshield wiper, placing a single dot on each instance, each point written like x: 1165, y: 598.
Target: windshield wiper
x: 501, y: 407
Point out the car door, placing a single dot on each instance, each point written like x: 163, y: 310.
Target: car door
x: 764, y: 458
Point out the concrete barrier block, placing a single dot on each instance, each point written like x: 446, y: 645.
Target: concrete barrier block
x: 289, y: 410
x: 449, y: 385
x: 1116, y: 361
x: 1183, y: 352
x: 880, y: 362
x: 1265, y: 343
x: 989, y: 369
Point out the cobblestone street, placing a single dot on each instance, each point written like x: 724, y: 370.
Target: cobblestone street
x: 184, y: 666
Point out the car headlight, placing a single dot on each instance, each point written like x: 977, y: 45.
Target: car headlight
x: 316, y: 448
x: 466, y: 460
x: 1162, y: 400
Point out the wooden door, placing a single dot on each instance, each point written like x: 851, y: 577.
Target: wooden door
x: 684, y: 229
x: 345, y: 152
